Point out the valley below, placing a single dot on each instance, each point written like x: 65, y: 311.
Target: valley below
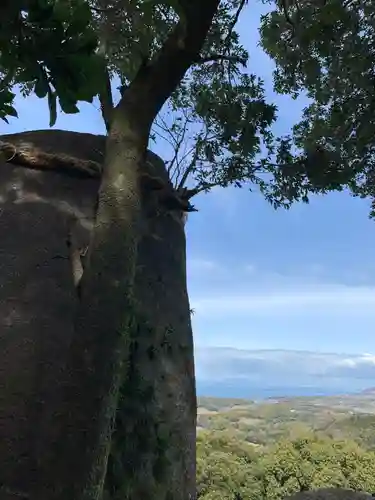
x: 265, y: 421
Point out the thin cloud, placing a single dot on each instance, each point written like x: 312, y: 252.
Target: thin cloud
x: 325, y: 298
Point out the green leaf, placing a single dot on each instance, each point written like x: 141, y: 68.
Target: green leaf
x: 174, y: 4
x: 330, y: 61
x: 52, y: 108
x: 68, y: 106
x: 60, y: 11
x: 10, y: 111
x: 81, y: 20
x: 41, y: 86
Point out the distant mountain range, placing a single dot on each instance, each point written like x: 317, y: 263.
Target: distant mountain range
x: 261, y: 374
x: 369, y: 392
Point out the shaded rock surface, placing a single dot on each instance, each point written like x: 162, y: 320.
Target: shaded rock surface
x: 37, y: 307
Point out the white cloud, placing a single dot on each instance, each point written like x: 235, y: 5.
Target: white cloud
x: 325, y: 298
x: 285, y: 368
x: 359, y: 366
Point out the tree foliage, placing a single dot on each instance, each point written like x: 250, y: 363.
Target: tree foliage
x: 326, y: 50
x: 224, y: 468
x: 48, y: 47
x: 311, y: 463
x: 289, y: 466
x: 217, y: 122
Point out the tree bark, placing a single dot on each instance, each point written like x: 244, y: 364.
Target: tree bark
x: 153, y: 446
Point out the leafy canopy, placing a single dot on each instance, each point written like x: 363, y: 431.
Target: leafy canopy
x: 48, y: 47
x: 218, y: 123
x: 326, y: 49
x: 226, y: 467
x: 217, y: 126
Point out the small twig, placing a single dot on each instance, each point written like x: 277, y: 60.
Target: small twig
x: 189, y: 193
x: 189, y: 169
x: 233, y: 24
x: 193, y: 162
x: 175, y: 158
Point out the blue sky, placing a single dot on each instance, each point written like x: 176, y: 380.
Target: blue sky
x: 264, y: 279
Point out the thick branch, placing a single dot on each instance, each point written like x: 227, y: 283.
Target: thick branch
x: 157, y: 79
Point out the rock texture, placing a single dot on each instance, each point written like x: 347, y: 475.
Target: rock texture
x: 37, y: 307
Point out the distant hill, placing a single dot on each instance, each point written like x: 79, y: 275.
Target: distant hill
x: 370, y: 391
x: 259, y: 374
x: 264, y: 422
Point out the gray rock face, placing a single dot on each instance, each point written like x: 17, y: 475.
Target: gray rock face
x: 330, y: 494
x: 37, y: 312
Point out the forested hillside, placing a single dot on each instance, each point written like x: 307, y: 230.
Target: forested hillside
x: 264, y: 422
x: 271, y: 449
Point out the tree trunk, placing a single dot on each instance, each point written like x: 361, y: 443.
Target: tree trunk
x: 153, y: 446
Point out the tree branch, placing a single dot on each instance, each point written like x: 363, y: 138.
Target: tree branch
x: 189, y: 169
x: 157, y: 79
x: 187, y: 194
x: 193, y: 161
x: 284, y: 6
x: 234, y: 22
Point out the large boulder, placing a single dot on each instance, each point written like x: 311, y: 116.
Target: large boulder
x: 37, y: 306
